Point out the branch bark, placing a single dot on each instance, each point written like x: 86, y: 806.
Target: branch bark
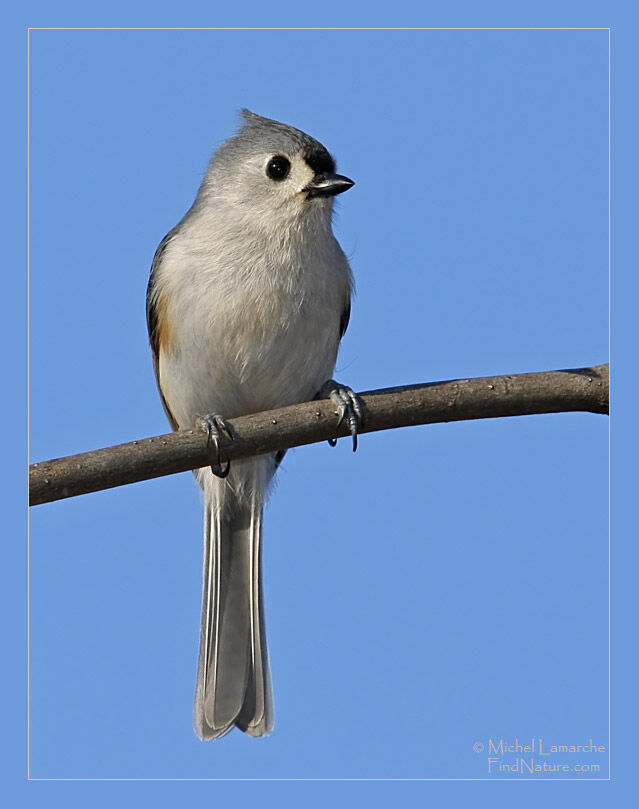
x: 579, y: 389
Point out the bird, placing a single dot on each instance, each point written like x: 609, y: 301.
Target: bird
x: 247, y: 301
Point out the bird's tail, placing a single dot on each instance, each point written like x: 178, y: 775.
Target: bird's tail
x: 233, y: 680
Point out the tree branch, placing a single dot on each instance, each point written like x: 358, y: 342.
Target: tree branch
x: 584, y: 389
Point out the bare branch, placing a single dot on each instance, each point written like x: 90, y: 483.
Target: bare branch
x: 581, y: 389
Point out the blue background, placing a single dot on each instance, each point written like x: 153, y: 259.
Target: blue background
x: 446, y: 584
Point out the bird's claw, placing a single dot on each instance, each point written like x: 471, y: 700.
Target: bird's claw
x: 214, y: 427
x: 349, y: 408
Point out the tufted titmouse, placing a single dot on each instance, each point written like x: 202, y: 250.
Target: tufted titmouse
x: 248, y: 298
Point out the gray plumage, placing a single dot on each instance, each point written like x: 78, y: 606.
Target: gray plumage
x: 247, y: 301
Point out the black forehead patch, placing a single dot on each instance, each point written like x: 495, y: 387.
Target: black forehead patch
x: 319, y: 160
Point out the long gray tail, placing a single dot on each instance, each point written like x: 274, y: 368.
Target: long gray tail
x: 233, y: 681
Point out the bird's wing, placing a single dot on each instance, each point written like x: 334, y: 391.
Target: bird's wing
x: 346, y: 316
x: 156, y: 319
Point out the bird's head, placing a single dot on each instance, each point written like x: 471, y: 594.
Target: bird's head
x: 272, y: 172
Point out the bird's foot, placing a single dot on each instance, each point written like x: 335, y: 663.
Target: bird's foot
x: 349, y: 407
x: 216, y: 428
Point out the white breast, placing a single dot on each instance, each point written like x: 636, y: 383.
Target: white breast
x: 255, y: 319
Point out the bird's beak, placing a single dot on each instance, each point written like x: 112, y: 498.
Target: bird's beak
x: 328, y: 185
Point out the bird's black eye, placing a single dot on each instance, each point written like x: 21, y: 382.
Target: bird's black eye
x: 278, y: 167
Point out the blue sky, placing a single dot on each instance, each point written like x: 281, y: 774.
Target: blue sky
x: 445, y: 585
